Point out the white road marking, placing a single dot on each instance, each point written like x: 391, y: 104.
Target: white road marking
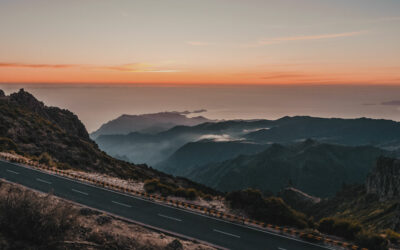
x: 222, y: 232
x: 8, y: 170
x: 77, y: 191
x: 47, y: 182
x: 121, y: 204
x: 168, y: 217
x: 280, y: 248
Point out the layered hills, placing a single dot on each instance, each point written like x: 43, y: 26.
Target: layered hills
x: 158, y: 147
x: 154, y: 148
x: 316, y: 168
x: 195, y: 155
x: 148, y: 123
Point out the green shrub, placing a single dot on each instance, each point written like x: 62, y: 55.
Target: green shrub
x: 180, y: 192
x: 151, y: 185
x: 208, y: 197
x: 340, y: 227
x: 191, y: 193
x: 393, y: 236
x: 165, y: 190
x: 46, y: 159
x: 7, y: 144
x: 155, y: 186
x: 371, y: 241
x: 270, y: 210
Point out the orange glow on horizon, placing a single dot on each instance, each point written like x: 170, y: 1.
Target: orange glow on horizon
x: 128, y: 74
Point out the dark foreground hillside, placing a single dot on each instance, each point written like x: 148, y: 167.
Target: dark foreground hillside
x: 33, y: 221
x: 57, y: 137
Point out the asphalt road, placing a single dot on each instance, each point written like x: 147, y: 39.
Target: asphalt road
x: 201, y: 227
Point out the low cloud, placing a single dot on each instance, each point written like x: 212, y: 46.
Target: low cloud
x: 133, y: 67
x: 282, y: 75
x: 139, y: 67
x: 391, y: 103
x: 217, y: 138
x: 187, y: 112
x: 27, y: 65
x: 277, y: 40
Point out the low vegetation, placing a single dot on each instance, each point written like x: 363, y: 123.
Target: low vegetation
x: 155, y: 186
x: 269, y: 210
x: 34, y: 221
x: 353, y: 231
x: 274, y: 210
x: 26, y: 219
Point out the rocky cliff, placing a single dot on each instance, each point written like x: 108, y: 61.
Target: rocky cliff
x: 384, y: 180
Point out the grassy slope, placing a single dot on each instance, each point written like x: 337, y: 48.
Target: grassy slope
x: 353, y: 203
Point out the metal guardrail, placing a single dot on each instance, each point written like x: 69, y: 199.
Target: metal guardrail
x: 187, y: 205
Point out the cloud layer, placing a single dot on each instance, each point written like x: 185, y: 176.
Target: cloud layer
x: 277, y: 40
x: 133, y: 67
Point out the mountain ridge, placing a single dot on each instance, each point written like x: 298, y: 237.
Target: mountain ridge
x: 315, y: 168
x: 147, y: 123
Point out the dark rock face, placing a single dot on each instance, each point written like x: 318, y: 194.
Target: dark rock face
x: 384, y: 181
x: 63, y: 118
x: 2, y: 93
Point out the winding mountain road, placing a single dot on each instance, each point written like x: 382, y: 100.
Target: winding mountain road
x: 180, y: 222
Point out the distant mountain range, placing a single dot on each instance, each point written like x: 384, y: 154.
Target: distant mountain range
x: 362, y: 131
x: 148, y: 123
x: 194, y: 155
x: 154, y: 148
x: 237, y: 154
x: 316, y: 168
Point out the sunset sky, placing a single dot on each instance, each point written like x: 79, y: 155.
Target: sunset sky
x: 200, y: 41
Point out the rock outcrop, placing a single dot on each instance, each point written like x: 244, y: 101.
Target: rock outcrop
x: 384, y: 180
x: 65, y: 119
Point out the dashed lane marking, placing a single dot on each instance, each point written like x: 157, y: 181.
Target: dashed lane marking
x: 169, y: 217
x: 77, y: 191
x: 229, y: 234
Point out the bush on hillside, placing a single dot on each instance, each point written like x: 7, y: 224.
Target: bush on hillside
x: 371, y: 240
x: 38, y: 221
x: 351, y: 230
x: 46, y: 159
x: 155, y: 186
x: 270, y: 210
x: 340, y: 227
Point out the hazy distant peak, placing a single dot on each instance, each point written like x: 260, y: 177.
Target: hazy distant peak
x: 149, y: 123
